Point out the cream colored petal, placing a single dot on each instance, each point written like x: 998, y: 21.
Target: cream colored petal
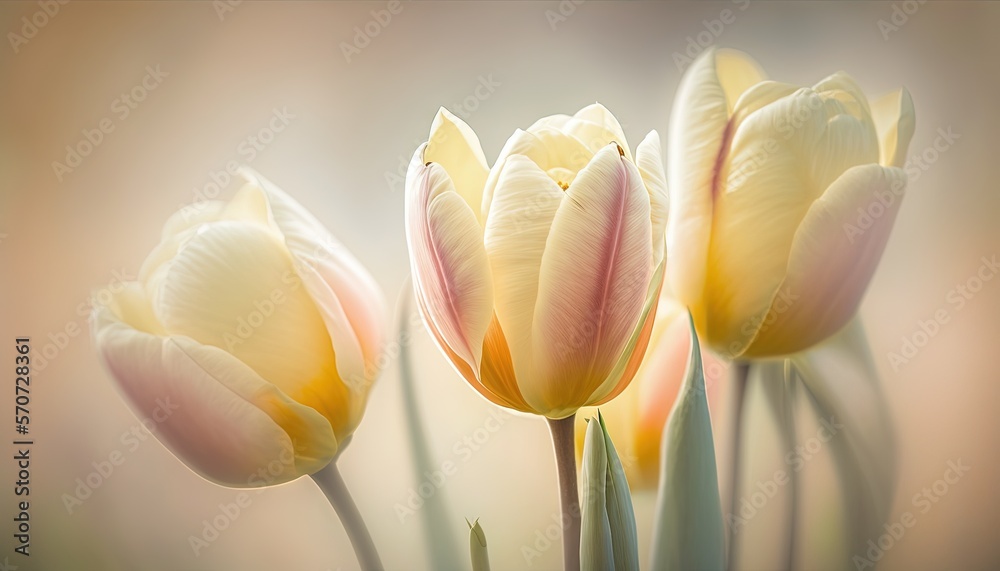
x: 696, y: 140
x: 448, y: 260
x: 841, y: 81
x: 592, y: 285
x: 767, y: 193
x: 649, y: 159
x: 597, y: 127
x: 517, y: 227
x: 560, y: 155
x: 833, y: 256
x: 234, y: 286
x: 895, y: 120
x: 210, y: 410
x: 349, y: 299
x: 179, y: 228
x: 455, y: 146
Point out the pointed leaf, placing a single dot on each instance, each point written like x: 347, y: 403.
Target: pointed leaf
x: 477, y: 547
x: 688, y: 533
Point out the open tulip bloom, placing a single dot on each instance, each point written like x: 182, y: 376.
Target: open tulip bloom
x: 538, y: 277
x: 251, y: 337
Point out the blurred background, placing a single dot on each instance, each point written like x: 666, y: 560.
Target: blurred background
x: 329, y: 100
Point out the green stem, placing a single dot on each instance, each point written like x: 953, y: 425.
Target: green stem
x: 332, y: 483
x: 741, y: 371
x: 565, y: 450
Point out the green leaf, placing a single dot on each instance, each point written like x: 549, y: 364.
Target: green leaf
x: 608, y: 538
x: 688, y: 533
x: 477, y: 547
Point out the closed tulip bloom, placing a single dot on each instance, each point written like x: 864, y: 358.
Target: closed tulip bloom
x: 782, y: 200
x: 250, y: 339
x: 538, y: 277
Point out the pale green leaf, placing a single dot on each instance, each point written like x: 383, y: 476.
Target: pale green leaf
x: 688, y: 533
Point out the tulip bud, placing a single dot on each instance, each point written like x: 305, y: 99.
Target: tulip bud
x: 608, y: 537
x: 767, y: 182
x: 477, y: 547
x: 259, y: 327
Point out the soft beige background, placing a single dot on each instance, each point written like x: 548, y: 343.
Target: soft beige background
x: 354, y: 124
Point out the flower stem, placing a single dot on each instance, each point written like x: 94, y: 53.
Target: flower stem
x: 564, y: 446
x: 741, y: 371
x: 332, y: 483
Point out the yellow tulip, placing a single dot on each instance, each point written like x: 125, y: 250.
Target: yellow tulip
x: 250, y: 339
x: 782, y: 200
x: 635, y: 418
x: 537, y: 277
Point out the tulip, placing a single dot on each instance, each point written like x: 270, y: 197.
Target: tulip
x: 250, y: 339
x: 535, y: 276
x: 538, y: 278
x: 782, y: 200
x: 636, y: 417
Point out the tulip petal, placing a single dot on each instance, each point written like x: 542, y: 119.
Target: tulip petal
x: 451, y: 271
x: 592, y: 284
x: 455, y: 146
x: 697, y: 140
x: 593, y: 126
x: 688, y: 532
x: 767, y: 194
x: 831, y: 261
x: 841, y: 380
x: 347, y: 295
x: 895, y: 120
x: 517, y: 227
x: 649, y: 159
x: 233, y: 286
x: 212, y: 411
x: 841, y: 81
